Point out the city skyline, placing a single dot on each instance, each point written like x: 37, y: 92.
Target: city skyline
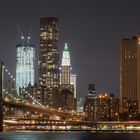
x: 92, y: 29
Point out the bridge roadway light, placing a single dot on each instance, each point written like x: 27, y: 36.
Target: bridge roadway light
x: 100, y: 96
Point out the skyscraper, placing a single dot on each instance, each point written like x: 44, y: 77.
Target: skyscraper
x: 73, y: 82
x: 66, y: 81
x: 65, y: 67
x: 25, y: 63
x: 66, y: 76
x: 48, y: 59
x: 90, y: 103
x: 130, y: 70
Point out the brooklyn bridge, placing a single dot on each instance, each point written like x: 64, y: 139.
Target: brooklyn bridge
x: 32, y: 116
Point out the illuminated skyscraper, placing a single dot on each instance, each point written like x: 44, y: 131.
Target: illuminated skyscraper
x: 25, y: 63
x: 73, y: 82
x: 66, y: 77
x: 48, y: 59
x: 67, y: 81
x: 130, y: 71
x: 65, y: 67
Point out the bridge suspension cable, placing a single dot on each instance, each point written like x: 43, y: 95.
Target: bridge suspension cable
x: 5, y: 69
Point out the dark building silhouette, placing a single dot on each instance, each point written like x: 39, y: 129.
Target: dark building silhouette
x: 130, y: 71
x: 1, y: 100
x: 91, y: 89
x: 90, y: 103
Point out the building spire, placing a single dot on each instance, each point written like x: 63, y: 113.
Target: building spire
x: 66, y: 47
x: 66, y: 56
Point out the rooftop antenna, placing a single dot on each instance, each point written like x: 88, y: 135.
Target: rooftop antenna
x: 21, y: 34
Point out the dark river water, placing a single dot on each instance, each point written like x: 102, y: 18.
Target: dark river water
x: 68, y: 136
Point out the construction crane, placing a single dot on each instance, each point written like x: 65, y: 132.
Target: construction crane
x: 21, y: 34
x: 29, y: 35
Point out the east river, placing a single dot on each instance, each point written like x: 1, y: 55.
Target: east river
x: 68, y: 136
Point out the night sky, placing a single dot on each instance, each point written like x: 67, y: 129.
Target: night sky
x: 93, y: 30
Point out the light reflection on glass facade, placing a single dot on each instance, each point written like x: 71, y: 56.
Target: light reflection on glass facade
x: 24, y: 65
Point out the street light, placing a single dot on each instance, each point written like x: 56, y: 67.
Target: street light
x: 116, y: 114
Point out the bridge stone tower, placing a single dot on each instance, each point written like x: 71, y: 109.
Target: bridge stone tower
x: 1, y: 102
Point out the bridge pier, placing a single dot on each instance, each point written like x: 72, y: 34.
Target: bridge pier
x: 1, y: 100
